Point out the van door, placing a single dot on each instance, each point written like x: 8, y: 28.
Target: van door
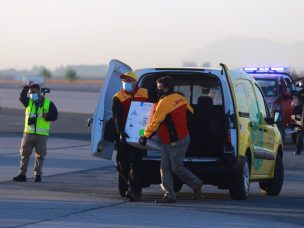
x: 101, y: 147
x: 268, y: 133
x: 256, y: 131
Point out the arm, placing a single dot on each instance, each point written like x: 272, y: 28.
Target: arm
x: 118, y: 111
x: 52, y: 114
x: 189, y: 108
x: 23, y: 96
x: 160, y: 114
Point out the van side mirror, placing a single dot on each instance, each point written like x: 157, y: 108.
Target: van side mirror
x: 277, y: 116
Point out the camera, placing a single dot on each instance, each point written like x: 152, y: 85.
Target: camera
x: 45, y: 90
x: 31, y: 121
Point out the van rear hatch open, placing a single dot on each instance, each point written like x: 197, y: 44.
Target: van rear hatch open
x: 209, y: 125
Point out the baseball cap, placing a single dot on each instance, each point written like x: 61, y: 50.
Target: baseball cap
x: 130, y: 75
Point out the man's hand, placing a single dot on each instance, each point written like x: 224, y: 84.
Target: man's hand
x: 44, y: 115
x: 142, y: 140
x: 123, y: 136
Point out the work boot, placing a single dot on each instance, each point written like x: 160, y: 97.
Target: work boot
x: 37, y: 178
x: 20, y: 178
x: 166, y: 199
x: 132, y: 196
x: 197, y: 192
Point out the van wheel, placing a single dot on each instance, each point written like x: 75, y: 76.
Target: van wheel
x: 239, y: 188
x: 273, y: 187
x: 122, y: 186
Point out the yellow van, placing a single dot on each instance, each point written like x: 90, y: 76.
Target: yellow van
x: 234, y: 138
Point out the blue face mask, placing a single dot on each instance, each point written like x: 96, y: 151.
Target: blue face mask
x: 34, y: 96
x: 127, y: 86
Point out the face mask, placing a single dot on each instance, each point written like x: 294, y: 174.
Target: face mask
x: 34, y: 96
x: 127, y: 86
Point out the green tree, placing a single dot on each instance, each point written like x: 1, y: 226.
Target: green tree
x: 46, y: 73
x: 71, y: 75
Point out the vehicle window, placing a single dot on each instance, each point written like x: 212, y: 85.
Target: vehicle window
x: 216, y: 94
x: 199, y: 91
x: 185, y: 90
x: 280, y: 86
x: 192, y: 92
x: 251, y: 101
x: 268, y: 87
x: 289, y: 84
x: 241, y: 98
x: 261, y: 102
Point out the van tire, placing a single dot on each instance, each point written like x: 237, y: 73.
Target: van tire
x: 122, y: 186
x: 273, y: 187
x: 239, y: 188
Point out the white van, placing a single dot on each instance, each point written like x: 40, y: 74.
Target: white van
x: 234, y: 138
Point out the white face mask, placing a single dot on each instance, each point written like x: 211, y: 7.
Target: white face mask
x: 127, y: 86
x: 34, y: 96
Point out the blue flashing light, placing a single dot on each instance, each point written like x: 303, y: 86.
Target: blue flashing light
x: 264, y: 69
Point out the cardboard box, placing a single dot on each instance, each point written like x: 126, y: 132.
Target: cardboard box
x: 138, y: 118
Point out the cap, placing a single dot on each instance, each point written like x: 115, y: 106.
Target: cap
x: 130, y: 75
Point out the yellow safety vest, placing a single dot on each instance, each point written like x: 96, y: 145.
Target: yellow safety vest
x: 41, y: 127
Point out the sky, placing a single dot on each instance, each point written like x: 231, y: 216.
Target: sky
x: 140, y: 33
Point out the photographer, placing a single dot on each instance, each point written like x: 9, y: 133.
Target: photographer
x: 39, y: 111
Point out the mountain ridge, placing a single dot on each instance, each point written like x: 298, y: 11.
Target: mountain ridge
x: 238, y: 51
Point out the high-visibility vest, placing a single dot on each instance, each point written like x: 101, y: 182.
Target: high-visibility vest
x: 41, y: 127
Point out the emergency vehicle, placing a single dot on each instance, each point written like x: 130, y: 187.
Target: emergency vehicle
x: 278, y: 87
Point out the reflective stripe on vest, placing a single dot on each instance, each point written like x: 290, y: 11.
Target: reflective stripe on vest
x: 41, y: 126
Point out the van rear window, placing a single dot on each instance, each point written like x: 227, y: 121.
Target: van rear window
x: 192, y: 92
x: 192, y: 86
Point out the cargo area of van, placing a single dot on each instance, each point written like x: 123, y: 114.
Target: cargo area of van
x: 207, y: 126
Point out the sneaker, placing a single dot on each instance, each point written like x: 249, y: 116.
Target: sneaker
x: 37, y: 178
x: 297, y: 153
x: 166, y: 199
x: 132, y: 196
x: 20, y: 178
x: 197, y: 192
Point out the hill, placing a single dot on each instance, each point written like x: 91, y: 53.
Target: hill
x: 244, y: 51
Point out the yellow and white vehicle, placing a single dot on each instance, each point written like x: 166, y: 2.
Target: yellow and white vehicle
x: 234, y: 138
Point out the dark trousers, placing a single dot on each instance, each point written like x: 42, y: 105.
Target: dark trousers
x: 128, y: 160
x: 299, y: 142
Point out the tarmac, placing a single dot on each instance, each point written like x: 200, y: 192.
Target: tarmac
x: 79, y: 190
